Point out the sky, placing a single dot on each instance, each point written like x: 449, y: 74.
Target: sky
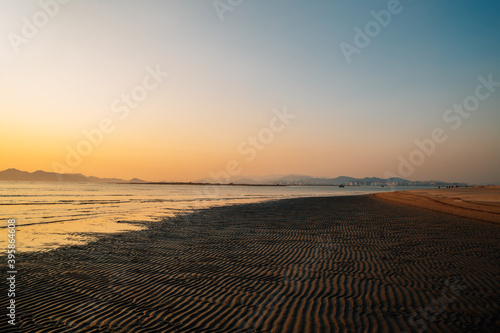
x: 182, y: 90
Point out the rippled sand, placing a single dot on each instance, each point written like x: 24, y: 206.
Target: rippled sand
x: 300, y: 265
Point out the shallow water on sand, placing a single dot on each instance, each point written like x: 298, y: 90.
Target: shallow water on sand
x: 49, y: 214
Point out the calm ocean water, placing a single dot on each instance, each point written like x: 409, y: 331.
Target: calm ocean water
x: 50, y: 215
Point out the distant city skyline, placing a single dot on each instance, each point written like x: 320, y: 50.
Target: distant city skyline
x: 179, y: 91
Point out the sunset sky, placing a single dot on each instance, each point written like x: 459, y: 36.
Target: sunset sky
x: 232, y: 69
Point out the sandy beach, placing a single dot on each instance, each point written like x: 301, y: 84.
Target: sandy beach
x: 482, y: 202
x: 339, y: 264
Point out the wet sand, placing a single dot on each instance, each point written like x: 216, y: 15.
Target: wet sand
x: 348, y: 264
x: 482, y: 203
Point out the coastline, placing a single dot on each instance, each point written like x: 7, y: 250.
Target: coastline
x: 71, y: 213
x: 347, y: 263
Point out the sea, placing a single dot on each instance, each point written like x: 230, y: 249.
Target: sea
x: 49, y: 215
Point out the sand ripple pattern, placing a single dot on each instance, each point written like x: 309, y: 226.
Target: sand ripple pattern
x: 341, y: 264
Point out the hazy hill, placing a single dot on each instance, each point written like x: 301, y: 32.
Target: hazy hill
x: 342, y: 180
x: 43, y: 176
x: 17, y: 175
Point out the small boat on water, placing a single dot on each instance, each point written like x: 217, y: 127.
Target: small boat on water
x: 341, y: 185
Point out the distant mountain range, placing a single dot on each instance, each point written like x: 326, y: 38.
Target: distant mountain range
x: 17, y: 175
x: 43, y: 176
x: 342, y: 180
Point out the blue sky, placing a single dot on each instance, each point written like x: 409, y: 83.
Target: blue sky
x: 226, y: 76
